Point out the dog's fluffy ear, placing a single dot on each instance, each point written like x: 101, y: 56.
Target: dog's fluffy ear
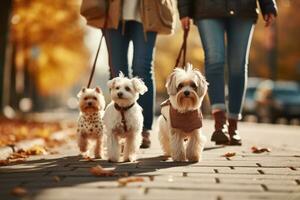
x: 202, y: 84
x: 171, y: 84
x: 98, y: 90
x: 83, y: 90
x: 111, y: 83
x: 139, y: 85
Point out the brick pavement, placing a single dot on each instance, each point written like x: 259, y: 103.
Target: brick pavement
x: 273, y: 176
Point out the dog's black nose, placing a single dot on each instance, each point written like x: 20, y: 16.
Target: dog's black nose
x: 120, y: 94
x: 186, y: 93
x: 89, y: 103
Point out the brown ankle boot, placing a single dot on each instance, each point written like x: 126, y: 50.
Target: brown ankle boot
x: 235, y: 138
x: 219, y: 136
x: 146, y: 139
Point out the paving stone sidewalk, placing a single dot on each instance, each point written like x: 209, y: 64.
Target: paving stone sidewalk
x: 274, y: 175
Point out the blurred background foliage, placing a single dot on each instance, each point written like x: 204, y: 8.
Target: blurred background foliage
x: 48, y: 40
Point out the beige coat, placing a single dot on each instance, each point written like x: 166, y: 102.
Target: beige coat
x: 156, y: 15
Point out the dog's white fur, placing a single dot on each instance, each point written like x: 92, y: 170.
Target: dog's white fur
x: 171, y: 139
x: 90, y: 123
x: 130, y: 89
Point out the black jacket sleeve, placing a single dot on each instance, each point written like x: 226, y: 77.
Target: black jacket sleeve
x: 184, y: 8
x: 268, y: 6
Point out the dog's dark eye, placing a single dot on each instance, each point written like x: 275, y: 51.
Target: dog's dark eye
x: 117, y: 87
x: 193, y: 85
x: 85, y: 98
x: 94, y: 98
x: 180, y: 86
x: 127, y: 88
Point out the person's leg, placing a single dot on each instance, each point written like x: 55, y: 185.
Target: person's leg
x: 239, y: 34
x: 117, y: 46
x: 142, y: 67
x: 212, y: 37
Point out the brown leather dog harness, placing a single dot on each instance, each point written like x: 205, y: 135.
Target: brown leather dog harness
x: 122, y: 111
x: 187, y: 121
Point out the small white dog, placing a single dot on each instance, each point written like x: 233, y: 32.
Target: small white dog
x: 123, y: 117
x: 90, y: 123
x: 181, y: 118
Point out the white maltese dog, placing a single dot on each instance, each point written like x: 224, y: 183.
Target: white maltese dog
x: 181, y: 119
x: 123, y: 118
x: 90, y: 123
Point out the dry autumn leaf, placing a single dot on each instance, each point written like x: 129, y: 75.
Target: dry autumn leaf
x: 255, y: 149
x: 229, y: 154
x: 4, y: 162
x: 36, y: 150
x: 19, y: 191
x: 56, y: 178
x: 18, y: 155
x: 123, y: 181
x: 100, y: 171
x: 89, y: 159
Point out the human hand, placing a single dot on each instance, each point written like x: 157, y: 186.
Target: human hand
x: 185, y: 22
x: 269, y: 19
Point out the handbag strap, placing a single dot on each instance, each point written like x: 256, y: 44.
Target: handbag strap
x: 182, y: 51
x: 97, y: 54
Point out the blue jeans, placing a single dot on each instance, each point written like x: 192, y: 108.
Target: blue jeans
x: 143, y: 48
x: 238, y: 36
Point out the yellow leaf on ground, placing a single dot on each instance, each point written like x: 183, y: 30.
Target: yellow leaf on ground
x: 36, y: 150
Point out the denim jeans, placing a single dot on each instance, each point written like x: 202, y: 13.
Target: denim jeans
x: 143, y: 47
x: 238, y: 32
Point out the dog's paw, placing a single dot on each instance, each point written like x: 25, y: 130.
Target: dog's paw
x: 113, y: 160
x: 179, y: 158
x: 130, y: 158
x: 193, y: 158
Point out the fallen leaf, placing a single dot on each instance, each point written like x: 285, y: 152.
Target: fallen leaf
x: 89, y: 159
x: 100, y: 171
x: 56, y: 178
x: 51, y: 143
x: 151, y: 177
x: 255, y: 149
x: 229, y: 154
x: 19, y: 191
x: 21, y: 154
x: 123, y: 181
x: 4, y: 162
x: 36, y: 150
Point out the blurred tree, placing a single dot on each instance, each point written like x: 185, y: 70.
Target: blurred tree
x: 49, y: 54
x: 287, y: 42
x: 5, y: 9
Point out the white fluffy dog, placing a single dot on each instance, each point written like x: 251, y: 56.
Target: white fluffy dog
x: 181, y: 118
x: 90, y: 123
x: 123, y: 118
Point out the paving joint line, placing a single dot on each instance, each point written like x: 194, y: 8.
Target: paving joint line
x: 261, y: 171
x: 265, y: 188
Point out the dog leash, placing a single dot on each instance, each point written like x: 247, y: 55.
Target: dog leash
x: 98, y: 50
x: 182, y: 51
x: 122, y: 110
